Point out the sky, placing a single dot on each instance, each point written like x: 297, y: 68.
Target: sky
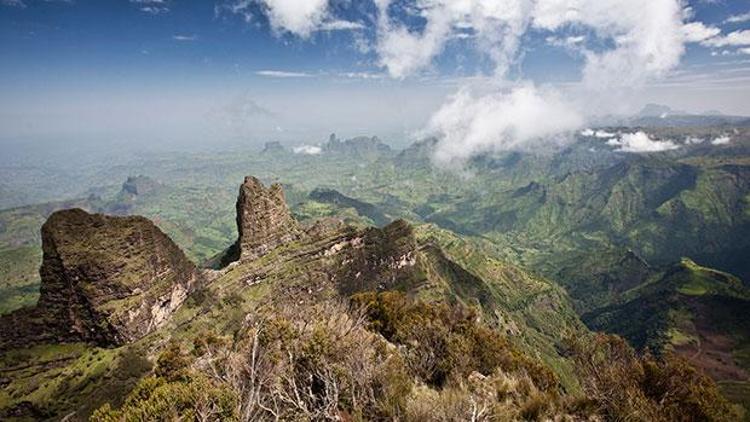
x: 479, y: 74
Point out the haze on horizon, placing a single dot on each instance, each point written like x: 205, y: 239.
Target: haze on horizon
x: 480, y: 74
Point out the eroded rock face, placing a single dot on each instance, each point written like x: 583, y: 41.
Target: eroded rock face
x: 263, y: 219
x: 107, y: 280
x: 377, y: 259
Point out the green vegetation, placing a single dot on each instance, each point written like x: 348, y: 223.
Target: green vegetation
x: 527, y: 242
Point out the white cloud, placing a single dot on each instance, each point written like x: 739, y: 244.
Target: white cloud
x: 640, y: 142
x: 282, y: 74
x: 647, y: 36
x: 573, y: 41
x: 497, y: 28
x: 179, y: 37
x: 340, y: 25
x: 13, y: 3
x: 601, y: 134
x: 307, y: 150
x: 299, y: 17
x: 691, y: 140
x: 698, y: 31
x: 469, y: 124
x: 736, y: 38
x: 721, y: 140
x: 646, y: 40
x: 153, y: 7
x: 743, y: 17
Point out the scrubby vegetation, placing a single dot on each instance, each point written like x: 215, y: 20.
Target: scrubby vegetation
x: 626, y: 386
x: 383, y: 356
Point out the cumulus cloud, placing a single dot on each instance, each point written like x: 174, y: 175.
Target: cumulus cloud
x: 496, y: 27
x: 648, y: 40
x: 602, y: 134
x: 307, y: 150
x: 299, y: 17
x: 647, y: 35
x: 624, y: 45
x: 468, y: 123
x: 721, y: 140
x: 736, y: 38
x: 743, y: 17
x: 639, y: 142
x: 340, y: 25
x: 153, y: 7
x: 698, y: 31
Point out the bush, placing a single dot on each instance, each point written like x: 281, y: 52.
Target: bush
x: 626, y: 386
x: 156, y: 399
x: 172, y: 363
x: 446, y: 343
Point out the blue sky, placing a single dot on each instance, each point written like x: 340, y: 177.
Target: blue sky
x: 205, y: 71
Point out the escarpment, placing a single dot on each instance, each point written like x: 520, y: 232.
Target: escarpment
x: 106, y: 280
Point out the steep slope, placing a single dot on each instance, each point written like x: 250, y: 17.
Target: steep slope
x: 697, y: 312
x: 107, y: 280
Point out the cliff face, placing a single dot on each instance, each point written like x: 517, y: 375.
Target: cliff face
x: 107, y: 280
x: 263, y: 219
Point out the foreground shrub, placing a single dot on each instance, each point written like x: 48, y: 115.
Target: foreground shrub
x: 446, y: 343
x: 626, y: 386
x: 319, y: 364
x: 155, y: 399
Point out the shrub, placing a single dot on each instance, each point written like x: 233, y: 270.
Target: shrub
x: 626, y: 386
x: 172, y: 363
x: 156, y: 399
x: 445, y: 342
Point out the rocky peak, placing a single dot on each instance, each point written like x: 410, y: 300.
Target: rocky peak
x: 108, y: 280
x: 273, y: 147
x: 140, y: 185
x: 263, y: 219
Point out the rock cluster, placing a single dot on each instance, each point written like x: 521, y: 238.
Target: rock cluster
x: 106, y: 280
x: 112, y: 280
x: 263, y: 219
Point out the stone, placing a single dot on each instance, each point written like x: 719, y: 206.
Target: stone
x: 106, y: 280
x: 263, y: 219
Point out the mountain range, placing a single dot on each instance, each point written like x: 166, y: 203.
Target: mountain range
x: 543, y: 248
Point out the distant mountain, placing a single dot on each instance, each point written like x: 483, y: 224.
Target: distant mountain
x: 662, y: 116
x: 658, y: 110
x: 360, y: 147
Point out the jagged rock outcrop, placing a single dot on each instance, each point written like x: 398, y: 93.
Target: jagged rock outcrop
x: 273, y: 147
x: 361, y: 147
x: 135, y: 189
x: 107, y: 280
x: 263, y: 219
x: 140, y: 185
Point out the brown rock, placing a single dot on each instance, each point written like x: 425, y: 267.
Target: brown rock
x: 263, y: 219
x: 107, y: 280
